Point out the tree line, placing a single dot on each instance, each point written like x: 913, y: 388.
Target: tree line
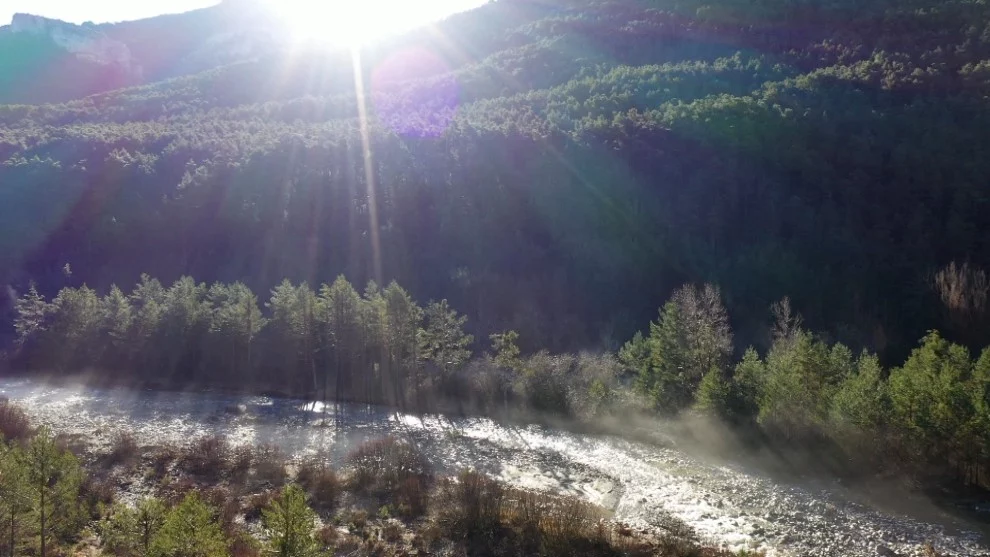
x: 928, y: 416
x: 376, y: 346
x: 380, y: 346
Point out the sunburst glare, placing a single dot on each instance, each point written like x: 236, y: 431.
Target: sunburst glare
x: 359, y: 22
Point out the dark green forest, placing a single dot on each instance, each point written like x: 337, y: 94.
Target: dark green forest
x: 557, y: 168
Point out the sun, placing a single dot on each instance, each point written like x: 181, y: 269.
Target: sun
x: 349, y: 23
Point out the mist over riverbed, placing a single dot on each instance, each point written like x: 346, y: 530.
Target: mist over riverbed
x: 723, y: 501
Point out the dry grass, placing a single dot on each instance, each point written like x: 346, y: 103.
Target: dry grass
x: 123, y: 448
x: 255, y: 504
x: 412, y: 497
x: 269, y: 465
x: 488, y: 518
x: 224, y: 504
x: 243, y: 544
x: 96, y: 493
x: 208, y: 457
x: 470, y: 506
x: 327, y: 536
x: 241, y: 459
x: 14, y: 423
x: 382, y: 465
x: 161, y: 457
x: 321, y: 484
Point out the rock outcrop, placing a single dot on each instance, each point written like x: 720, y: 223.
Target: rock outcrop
x: 85, y: 41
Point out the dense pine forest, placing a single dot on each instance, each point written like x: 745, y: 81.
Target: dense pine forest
x: 556, y: 171
x: 553, y: 167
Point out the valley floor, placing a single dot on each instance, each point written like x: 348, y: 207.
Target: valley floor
x: 641, y: 485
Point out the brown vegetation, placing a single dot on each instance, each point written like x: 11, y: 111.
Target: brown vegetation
x: 380, y: 466
x: 321, y: 484
x: 209, y: 457
x: 123, y: 448
x: 269, y: 465
x: 14, y: 423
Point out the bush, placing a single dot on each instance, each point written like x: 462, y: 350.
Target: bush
x: 543, y: 383
x: 382, y: 465
x: 470, y: 506
x: 161, y: 458
x: 173, y: 492
x: 14, y: 423
x: 123, y: 448
x: 495, y: 520
x: 269, y: 465
x: 412, y: 496
x: 224, y: 505
x: 208, y: 456
x: 96, y: 493
x: 255, y: 504
x: 119, y: 532
x: 321, y: 484
x: 243, y: 544
x: 240, y: 463
x: 595, y: 382
x: 327, y: 536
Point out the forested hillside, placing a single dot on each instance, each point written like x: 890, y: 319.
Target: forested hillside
x: 555, y: 167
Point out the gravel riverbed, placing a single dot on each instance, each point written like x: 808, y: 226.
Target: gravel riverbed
x: 724, y: 502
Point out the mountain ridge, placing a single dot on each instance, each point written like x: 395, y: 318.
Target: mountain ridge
x: 557, y: 168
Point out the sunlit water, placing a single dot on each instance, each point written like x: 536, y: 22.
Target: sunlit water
x: 723, y: 502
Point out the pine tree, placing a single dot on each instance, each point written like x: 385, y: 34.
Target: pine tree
x: 15, y: 498
x: 443, y: 341
x: 116, y: 317
x: 53, y: 477
x: 340, y: 317
x: 289, y: 524
x: 32, y: 311
x: 189, y: 530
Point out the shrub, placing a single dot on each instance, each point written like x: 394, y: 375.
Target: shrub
x: 208, y: 456
x: 566, y: 525
x: 224, y: 505
x: 123, y: 448
x: 392, y: 532
x: 14, y: 423
x: 471, y: 506
x: 173, y: 492
x: 327, y: 535
x: 240, y: 463
x: 243, y: 544
x: 381, y: 465
x: 412, y: 496
x: 269, y: 465
x: 119, y: 532
x: 96, y: 493
x: 161, y: 458
x: 321, y: 483
x: 543, y: 382
x: 255, y: 503
x: 358, y: 519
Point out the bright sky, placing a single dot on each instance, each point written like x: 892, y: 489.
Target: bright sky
x: 358, y: 19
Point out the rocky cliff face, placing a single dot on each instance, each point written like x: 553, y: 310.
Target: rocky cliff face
x: 86, y: 41
x: 97, y: 58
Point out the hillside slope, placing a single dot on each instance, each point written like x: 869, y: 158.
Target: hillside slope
x: 553, y: 167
